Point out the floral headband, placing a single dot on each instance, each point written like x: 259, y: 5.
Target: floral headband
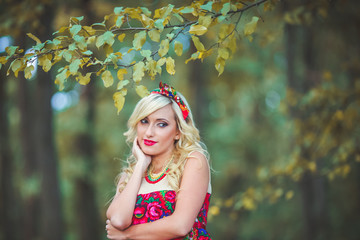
x: 170, y: 92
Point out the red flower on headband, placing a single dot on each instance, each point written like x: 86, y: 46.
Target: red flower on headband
x: 170, y: 92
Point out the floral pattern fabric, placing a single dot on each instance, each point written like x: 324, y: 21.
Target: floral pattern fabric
x: 156, y: 205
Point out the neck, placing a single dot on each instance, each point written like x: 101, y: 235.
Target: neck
x: 158, y: 163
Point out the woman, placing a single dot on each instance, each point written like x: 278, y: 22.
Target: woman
x: 164, y: 192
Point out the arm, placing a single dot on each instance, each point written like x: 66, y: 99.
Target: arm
x: 189, y: 201
x: 121, y: 209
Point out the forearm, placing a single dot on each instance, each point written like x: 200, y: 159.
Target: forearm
x: 121, y: 209
x: 165, y: 228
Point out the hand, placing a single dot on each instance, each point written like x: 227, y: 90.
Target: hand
x: 142, y: 159
x: 114, y: 233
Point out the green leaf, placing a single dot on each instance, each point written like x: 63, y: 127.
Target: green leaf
x: 74, y: 66
x: 178, y: 17
x: 75, y: 29
x: 107, y: 78
x: 221, y: 18
x: 79, y: 19
x: 67, y: 56
x: 187, y: 10
x: 122, y: 84
x: 159, y: 24
x: 207, y: 6
x: 119, y: 21
x: 88, y: 52
x: 146, y: 54
x: 11, y: 50
x: 118, y: 10
x: 225, y: 9
x: 139, y: 40
x: 146, y: 11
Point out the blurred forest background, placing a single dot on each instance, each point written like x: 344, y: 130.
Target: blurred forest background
x: 281, y: 124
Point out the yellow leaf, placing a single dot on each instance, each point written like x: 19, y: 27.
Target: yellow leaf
x: 154, y: 35
x: 28, y: 71
x: 312, y: 166
x: 121, y: 37
x: 248, y: 203
x: 178, y: 47
x: 198, y: 29
x: 121, y: 73
x: 16, y: 66
x: 214, y: 210
x: 33, y: 37
x: 161, y: 61
x: 205, y: 54
x: 251, y: 26
x: 122, y: 84
x: 219, y: 65
x: 153, y: 68
x: 199, y: 46
x: 46, y: 65
x: 223, y: 53
x: 164, y: 47
x: 83, y: 80
x: 138, y: 71
x: 107, y: 78
x: 170, y: 66
x: 119, y: 99
x: 139, y: 40
x: 289, y: 195
x: 89, y: 30
x: 205, y: 20
x: 142, y: 91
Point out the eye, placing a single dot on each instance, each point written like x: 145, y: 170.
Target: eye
x: 143, y: 121
x: 163, y: 124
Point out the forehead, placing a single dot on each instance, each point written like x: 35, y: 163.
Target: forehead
x: 166, y: 112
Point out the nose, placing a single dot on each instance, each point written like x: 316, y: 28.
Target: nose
x: 149, y: 131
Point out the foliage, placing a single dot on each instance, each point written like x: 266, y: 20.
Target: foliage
x: 78, y: 47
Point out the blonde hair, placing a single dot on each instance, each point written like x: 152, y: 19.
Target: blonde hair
x: 188, y: 142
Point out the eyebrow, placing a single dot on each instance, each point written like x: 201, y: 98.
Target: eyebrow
x: 162, y: 119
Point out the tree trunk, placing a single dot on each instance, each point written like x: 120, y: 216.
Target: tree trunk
x: 31, y: 201
x: 51, y: 226
x: 88, y: 224
x: 8, y: 201
x: 88, y: 220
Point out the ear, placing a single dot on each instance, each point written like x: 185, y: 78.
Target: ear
x: 177, y: 136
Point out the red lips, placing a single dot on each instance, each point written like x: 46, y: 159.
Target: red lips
x: 149, y: 142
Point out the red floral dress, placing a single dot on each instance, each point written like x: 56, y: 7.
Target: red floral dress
x: 156, y: 205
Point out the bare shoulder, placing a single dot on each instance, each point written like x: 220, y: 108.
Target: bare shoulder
x: 198, y: 160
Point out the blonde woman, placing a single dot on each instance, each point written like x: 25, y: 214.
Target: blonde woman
x: 164, y: 191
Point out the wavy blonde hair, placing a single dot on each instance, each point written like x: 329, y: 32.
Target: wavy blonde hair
x: 188, y: 142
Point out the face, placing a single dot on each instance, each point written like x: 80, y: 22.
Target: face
x: 157, y: 132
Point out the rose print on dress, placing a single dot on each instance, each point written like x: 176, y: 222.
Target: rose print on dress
x: 156, y: 205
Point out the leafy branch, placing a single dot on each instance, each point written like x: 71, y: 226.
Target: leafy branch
x: 80, y: 47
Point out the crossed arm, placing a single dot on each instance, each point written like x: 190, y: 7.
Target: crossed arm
x: 194, y: 185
